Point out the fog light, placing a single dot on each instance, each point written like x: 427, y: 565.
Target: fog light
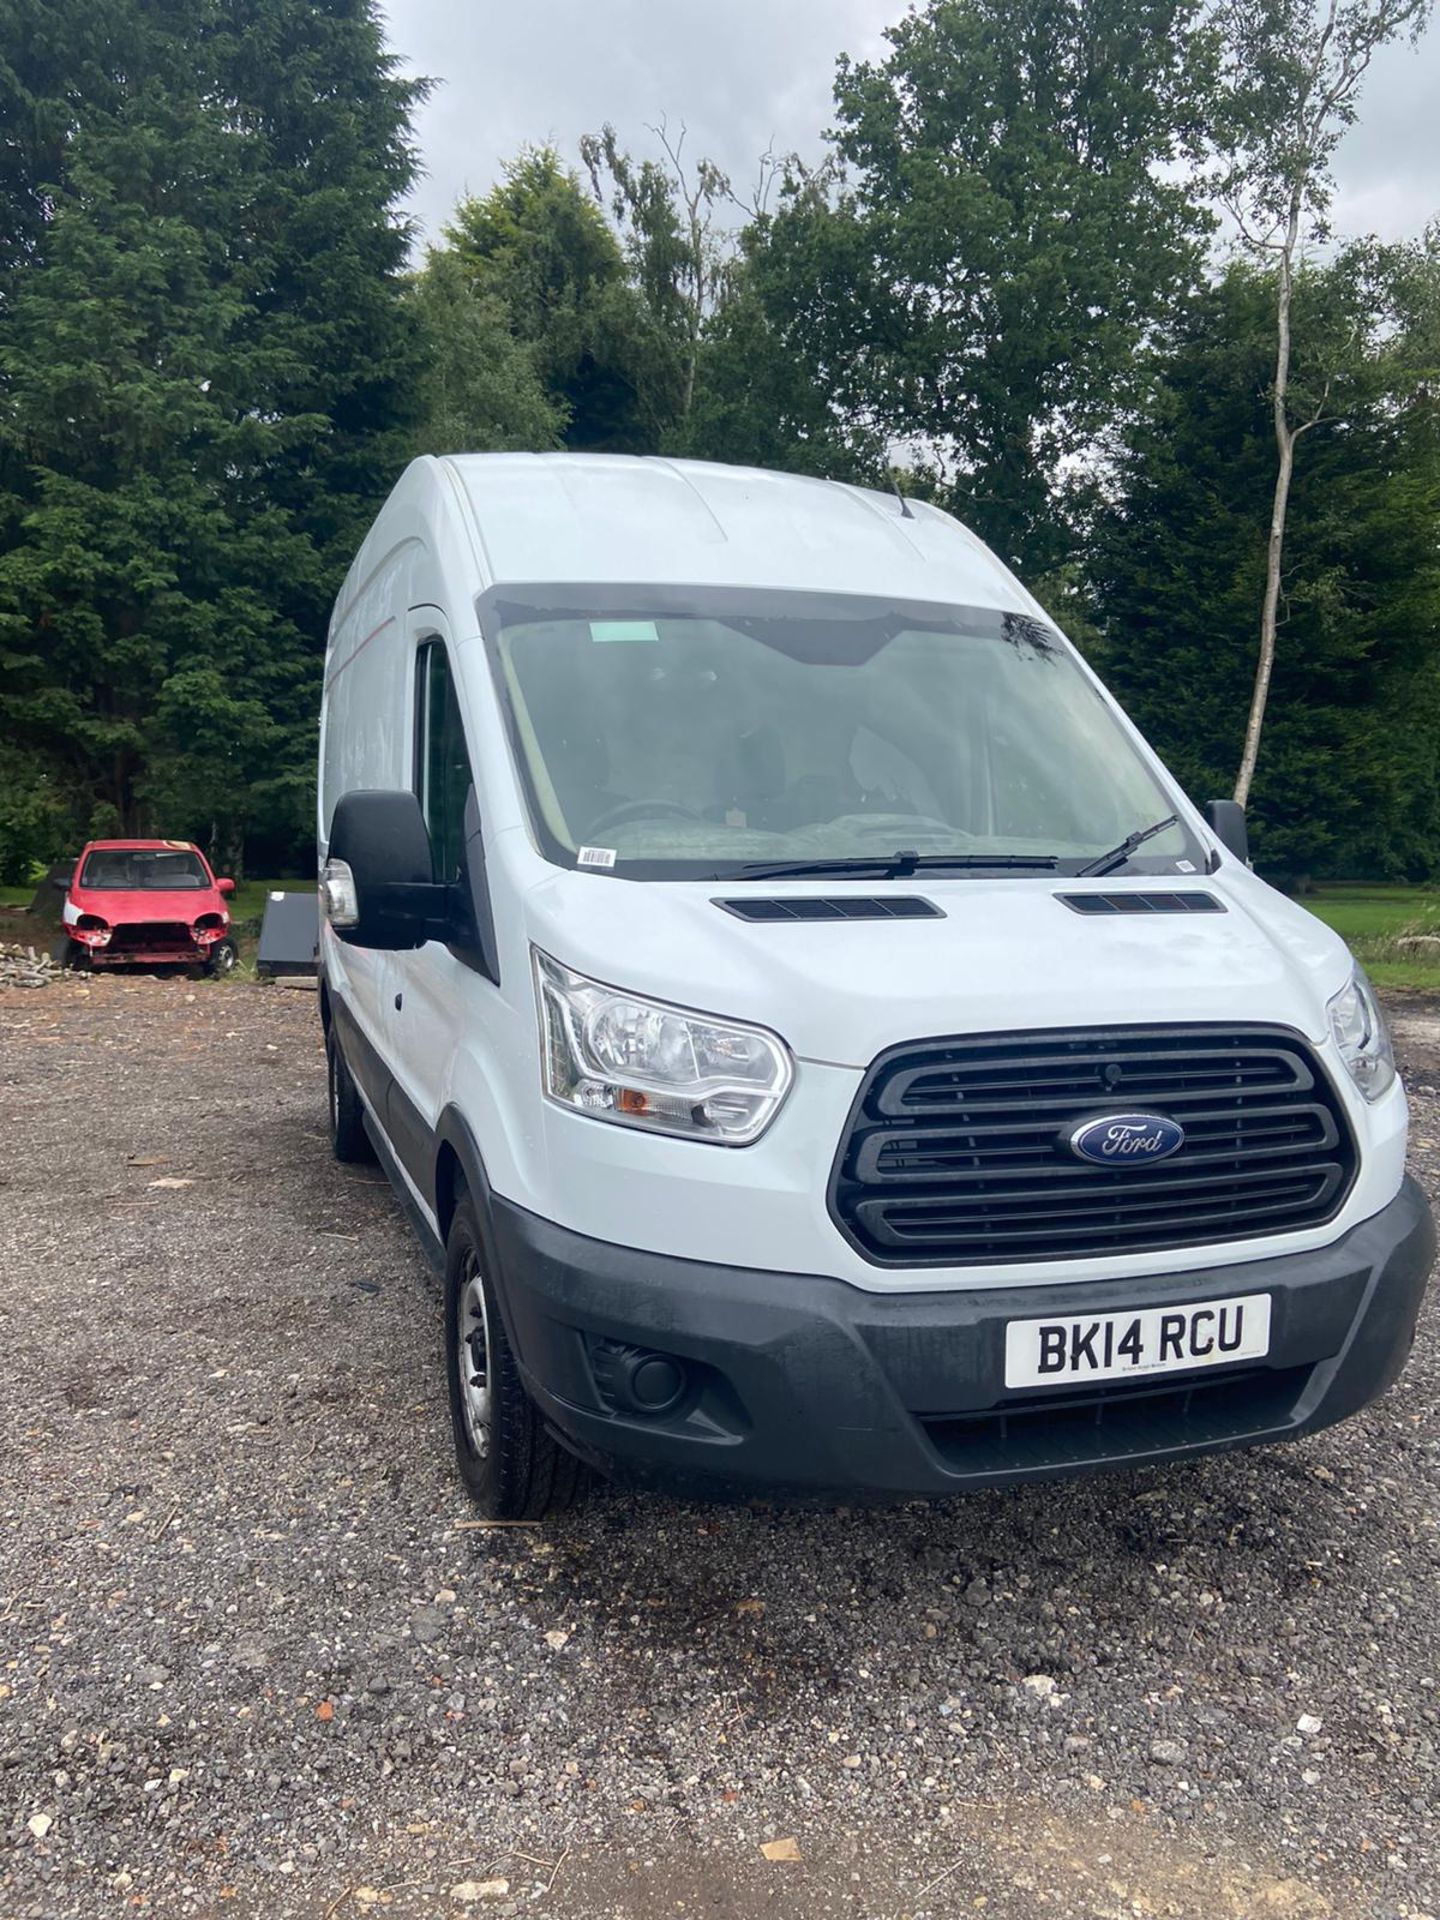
x: 635, y: 1380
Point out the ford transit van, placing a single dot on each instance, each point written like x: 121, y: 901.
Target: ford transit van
x: 822, y: 1045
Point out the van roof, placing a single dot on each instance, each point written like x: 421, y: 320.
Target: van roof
x: 579, y: 517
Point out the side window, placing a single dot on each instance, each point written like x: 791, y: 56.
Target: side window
x: 442, y: 765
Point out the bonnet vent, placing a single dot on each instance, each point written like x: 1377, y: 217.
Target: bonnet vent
x: 847, y: 907
x: 1141, y: 902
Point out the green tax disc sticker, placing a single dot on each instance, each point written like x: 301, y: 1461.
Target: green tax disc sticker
x: 603, y: 630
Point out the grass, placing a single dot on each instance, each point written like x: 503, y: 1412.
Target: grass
x: 248, y: 903
x: 1375, y: 921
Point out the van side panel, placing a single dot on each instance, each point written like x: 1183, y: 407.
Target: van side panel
x: 367, y: 699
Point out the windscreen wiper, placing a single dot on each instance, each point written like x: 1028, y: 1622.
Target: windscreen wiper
x: 894, y: 866
x: 1117, y: 856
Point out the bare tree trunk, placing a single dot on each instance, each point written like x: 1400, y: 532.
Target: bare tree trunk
x: 1275, y: 548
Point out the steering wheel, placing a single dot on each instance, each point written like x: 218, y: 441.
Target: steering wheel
x: 640, y: 810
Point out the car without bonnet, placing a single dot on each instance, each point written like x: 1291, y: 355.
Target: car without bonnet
x: 820, y: 1040
x: 146, y: 903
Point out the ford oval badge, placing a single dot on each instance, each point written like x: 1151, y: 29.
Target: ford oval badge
x: 1127, y: 1139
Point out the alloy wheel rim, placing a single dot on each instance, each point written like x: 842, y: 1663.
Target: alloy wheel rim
x: 472, y: 1357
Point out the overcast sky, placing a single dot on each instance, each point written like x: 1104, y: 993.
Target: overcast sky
x: 743, y: 73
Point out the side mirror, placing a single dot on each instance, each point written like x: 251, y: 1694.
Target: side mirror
x: 60, y: 882
x: 1227, y: 822
x: 376, y: 889
x: 225, y: 888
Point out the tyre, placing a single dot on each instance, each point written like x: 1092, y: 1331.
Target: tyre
x: 70, y: 954
x: 349, y: 1141
x: 512, y: 1466
x: 223, y: 956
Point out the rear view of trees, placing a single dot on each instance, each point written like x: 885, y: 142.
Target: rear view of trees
x: 1060, y: 269
x: 1007, y: 235
x: 1349, y: 780
x: 207, y: 374
x: 1296, y: 77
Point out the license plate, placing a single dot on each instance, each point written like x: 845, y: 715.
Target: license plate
x: 1125, y: 1346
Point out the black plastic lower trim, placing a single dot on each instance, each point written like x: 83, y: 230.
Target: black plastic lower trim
x: 807, y: 1383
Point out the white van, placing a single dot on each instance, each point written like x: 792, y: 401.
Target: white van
x: 823, y: 1045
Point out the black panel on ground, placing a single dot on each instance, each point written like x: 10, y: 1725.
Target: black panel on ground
x: 289, y: 933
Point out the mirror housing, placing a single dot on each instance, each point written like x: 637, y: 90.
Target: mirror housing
x: 391, y: 901
x: 1226, y: 820
x: 225, y: 888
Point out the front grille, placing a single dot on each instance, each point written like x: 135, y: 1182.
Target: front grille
x: 149, y: 934
x: 957, y: 1152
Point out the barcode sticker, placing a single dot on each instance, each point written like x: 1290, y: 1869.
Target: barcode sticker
x: 596, y: 857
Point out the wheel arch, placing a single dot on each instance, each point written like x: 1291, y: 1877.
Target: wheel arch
x: 459, y: 1168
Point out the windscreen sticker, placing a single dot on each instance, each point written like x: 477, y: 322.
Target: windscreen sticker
x: 606, y: 630
x: 1185, y: 866
x: 596, y: 857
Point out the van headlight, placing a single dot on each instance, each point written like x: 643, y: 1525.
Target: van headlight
x: 617, y: 1056
x: 1362, y: 1037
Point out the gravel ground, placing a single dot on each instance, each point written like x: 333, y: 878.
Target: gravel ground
x: 255, y: 1662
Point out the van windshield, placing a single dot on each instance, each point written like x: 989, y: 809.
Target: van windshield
x: 675, y: 732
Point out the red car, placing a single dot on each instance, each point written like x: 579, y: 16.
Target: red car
x: 147, y: 902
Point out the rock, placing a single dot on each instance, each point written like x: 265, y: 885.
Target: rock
x: 40, y: 1824
x: 467, y: 1891
x: 1167, y: 1753
x: 427, y: 1624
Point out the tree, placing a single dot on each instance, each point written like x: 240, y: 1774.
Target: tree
x: 1295, y: 77
x: 757, y: 401
x: 678, y: 252
x: 1012, y: 228
x: 540, y: 246
x: 481, y: 391
x: 205, y: 381
x: 1351, y: 778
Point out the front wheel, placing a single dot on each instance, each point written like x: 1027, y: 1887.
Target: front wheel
x: 223, y: 956
x: 512, y: 1466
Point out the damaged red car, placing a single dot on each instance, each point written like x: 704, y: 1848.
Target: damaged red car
x: 147, y: 903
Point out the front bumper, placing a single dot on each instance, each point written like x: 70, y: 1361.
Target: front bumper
x: 799, y: 1382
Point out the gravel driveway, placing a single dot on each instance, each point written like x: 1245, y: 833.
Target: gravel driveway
x: 257, y: 1660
